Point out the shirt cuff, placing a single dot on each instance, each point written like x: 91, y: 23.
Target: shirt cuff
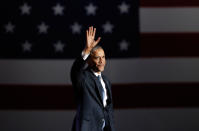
x: 85, y: 56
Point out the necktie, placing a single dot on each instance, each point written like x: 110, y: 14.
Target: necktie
x: 102, y: 93
x: 101, y: 90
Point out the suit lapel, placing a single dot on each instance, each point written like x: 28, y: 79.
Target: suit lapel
x: 99, y: 85
x: 96, y: 88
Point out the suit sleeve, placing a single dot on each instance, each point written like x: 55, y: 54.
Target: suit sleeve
x: 77, y: 70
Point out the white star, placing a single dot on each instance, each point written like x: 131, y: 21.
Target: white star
x: 25, y: 9
x: 108, y: 27
x: 43, y: 28
x: 123, y: 45
x: 124, y: 8
x: 59, y: 46
x: 9, y: 27
x: 91, y: 9
x: 26, y: 46
x: 76, y: 28
x: 58, y: 9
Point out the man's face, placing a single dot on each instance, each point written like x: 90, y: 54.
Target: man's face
x: 97, y: 60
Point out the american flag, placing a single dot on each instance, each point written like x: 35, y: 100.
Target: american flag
x: 152, y: 49
x: 56, y: 29
x: 151, y: 46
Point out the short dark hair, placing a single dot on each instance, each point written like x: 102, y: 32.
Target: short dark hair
x: 95, y: 48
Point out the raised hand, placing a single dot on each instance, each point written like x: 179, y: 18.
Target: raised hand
x: 90, y: 39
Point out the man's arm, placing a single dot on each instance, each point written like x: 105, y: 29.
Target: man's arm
x: 79, y: 64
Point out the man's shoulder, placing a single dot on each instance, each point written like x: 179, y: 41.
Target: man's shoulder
x: 86, y: 74
x: 105, y: 77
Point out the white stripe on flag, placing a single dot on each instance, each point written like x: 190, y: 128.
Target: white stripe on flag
x: 142, y: 70
x: 169, y: 20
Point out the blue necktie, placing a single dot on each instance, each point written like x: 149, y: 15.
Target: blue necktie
x: 102, y: 93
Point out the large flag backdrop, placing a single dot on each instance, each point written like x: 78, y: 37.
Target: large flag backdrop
x: 151, y: 49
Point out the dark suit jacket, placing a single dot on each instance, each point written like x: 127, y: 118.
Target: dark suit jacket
x: 90, y: 110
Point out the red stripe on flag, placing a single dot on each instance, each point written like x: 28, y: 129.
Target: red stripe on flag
x: 169, y: 3
x: 54, y: 97
x: 169, y: 45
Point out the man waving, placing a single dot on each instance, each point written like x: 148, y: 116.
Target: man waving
x: 92, y: 88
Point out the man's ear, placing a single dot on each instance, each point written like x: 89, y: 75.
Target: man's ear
x: 89, y: 61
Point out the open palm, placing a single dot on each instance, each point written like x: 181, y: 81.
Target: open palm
x: 90, y: 38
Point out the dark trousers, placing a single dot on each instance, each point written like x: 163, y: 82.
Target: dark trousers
x: 107, y: 128
x: 107, y: 122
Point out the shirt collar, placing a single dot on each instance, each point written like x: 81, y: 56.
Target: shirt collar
x: 95, y: 73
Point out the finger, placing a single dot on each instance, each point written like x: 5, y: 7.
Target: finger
x: 94, y: 32
x: 86, y: 33
x: 91, y: 30
x: 98, y: 40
